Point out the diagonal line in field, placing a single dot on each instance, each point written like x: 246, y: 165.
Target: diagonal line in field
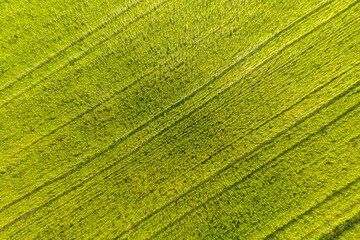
x: 267, y: 164
x: 74, y: 119
x: 187, y: 98
x: 110, y: 97
x: 82, y: 38
x: 274, y: 117
x: 264, y: 143
x: 312, y: 209
x: 344, y: 227
x: 284, y: 111
x: 83, y: 54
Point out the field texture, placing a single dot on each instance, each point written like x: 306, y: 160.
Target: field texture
x: 179, y: 119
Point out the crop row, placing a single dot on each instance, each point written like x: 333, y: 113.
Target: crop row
x: 47, y: 31
x: 322, y: 215
x: 74, y: 54
x: 77, y: 143
x: 74, y: 90
x: 297, y: 177
x: 193, y: 131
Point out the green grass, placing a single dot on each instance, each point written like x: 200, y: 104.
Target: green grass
x: 180, y: 119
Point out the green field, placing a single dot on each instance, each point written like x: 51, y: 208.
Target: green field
x: 164, y: 119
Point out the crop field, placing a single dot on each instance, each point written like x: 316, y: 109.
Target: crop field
x: 179, y: 119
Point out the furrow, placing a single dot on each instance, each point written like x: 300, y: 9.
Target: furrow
x: 272, y: 162
x: 246, y: 134
x: 313, y: 208
x: 107, y: 99
x: 341, y: 229
x: 262, y: 144
x: 82, y: 54
x: 182, y: 101
x: 55, y: 130
x: 82, y: 38
x: 284, y: 111
x: 294, y: 23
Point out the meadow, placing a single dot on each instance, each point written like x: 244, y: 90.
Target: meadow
x: 163, y: 119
